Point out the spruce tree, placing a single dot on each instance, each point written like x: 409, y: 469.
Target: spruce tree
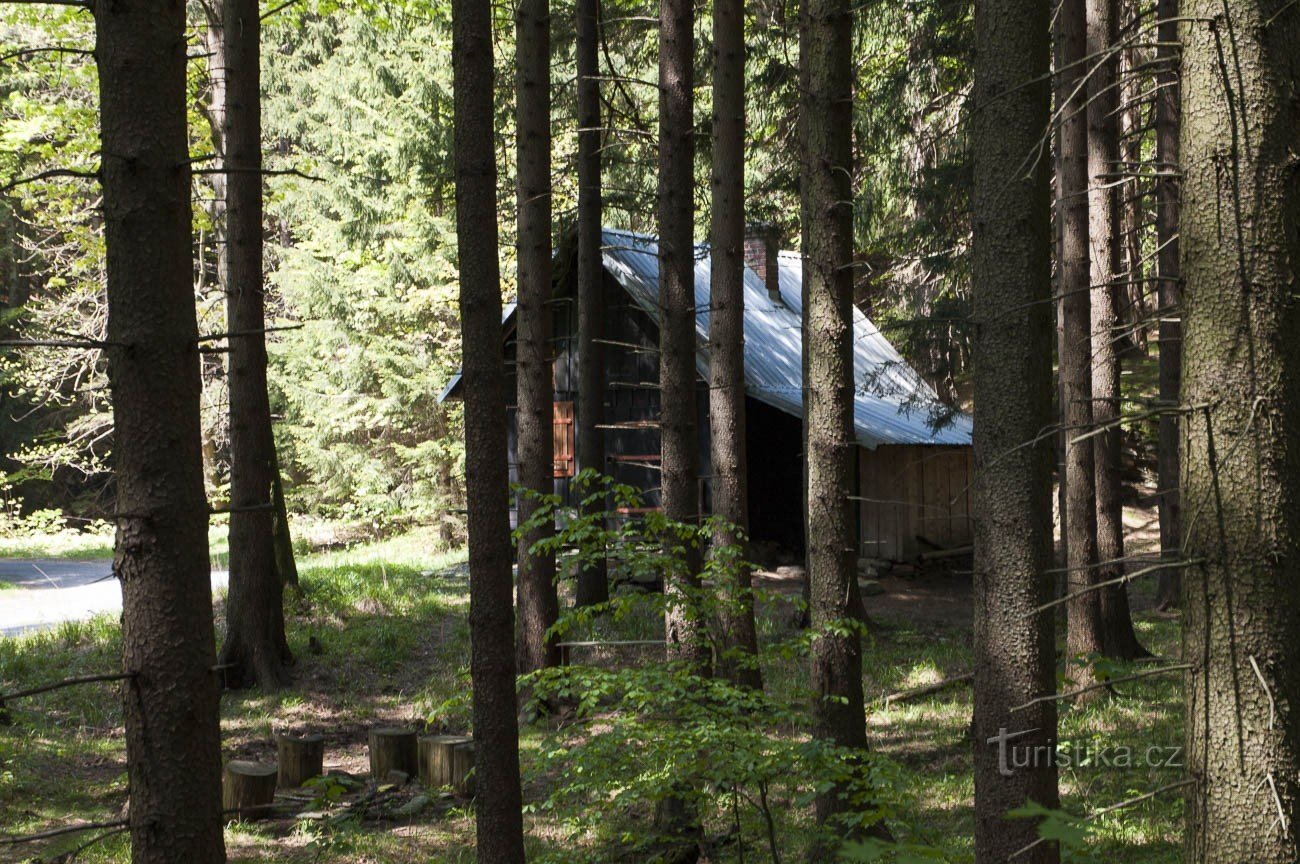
x: 498, y: 816
x: 727, y: 336
x: 538, y: 604
x: 1014, y: 647
x: 1241, y: 394
x: 170, y: 704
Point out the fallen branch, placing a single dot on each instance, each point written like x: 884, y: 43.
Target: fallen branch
x: 69, y: 857
x: 939, y: 554
x: 13, y: 840
x: 916, y: 692
x: 1097, y: 814
x: 66, y: 682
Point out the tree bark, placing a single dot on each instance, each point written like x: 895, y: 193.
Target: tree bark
x: 593, y: 578
x: 538, y: 603
x: 1014, y: 649
x: 286, y: 567
x: 170, y: 707
x: 1241, y: 472
x: 727, y: 340
x: 826, y: 107
x: 1083, y: 635
x: 498, y: 816
x: 1170, y: 292
x: 255, y: 650
x: 679, y: 447
x: 1104, y: 226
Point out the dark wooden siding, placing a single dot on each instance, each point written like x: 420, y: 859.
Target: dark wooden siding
x: 914, y: 498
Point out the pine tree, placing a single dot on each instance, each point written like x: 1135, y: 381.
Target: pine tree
x: 255, y: 649
x: 593, y: 580
x: 826, y: 106
x: 1104, y: 233
x: 1241, y: 392
x: 679, y: 458
x: 170, y: 705
x: 1015, y: 659
x: 498, y: 802
x: 727, y: 335
x: 538, y: 604
x: 1170, y: 292
x: 1083, y: 637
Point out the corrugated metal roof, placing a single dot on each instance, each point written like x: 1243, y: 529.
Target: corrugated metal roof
x: 893, y: 405
x: 453, y: 386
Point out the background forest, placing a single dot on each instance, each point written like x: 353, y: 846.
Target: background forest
x: 360, y: 235
x: 252, y: 251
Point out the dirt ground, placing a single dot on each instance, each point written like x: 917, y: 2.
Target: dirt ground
x: 937, y: 595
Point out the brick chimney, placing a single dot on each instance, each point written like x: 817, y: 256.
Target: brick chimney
x: 761, y: 248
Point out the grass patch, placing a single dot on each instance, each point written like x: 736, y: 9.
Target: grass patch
x: 75, y: 545
x: 381, y: 635
x: 64, y: 544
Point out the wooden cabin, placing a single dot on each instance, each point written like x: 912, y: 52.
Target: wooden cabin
x: 914, y: 454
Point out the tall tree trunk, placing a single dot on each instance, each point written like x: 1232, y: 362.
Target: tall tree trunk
x: 1118, y: 638
x: 212, y: 367
x: 538, y: 604
x: 498, y: 807
x: 1170, y: 292
x: 826, y: 107
x: 286, y: 568
x: 255, y: 650
x: 686, y: 639
x: 1015, y: 658
x: 1136, y: 311
x: 1083, y: 635
x: 683, y: 627
x: 727, y: 338
x: 170, y: 707
x: 1058, y: 246
x: 593, y: 580
x: 1241, y: 383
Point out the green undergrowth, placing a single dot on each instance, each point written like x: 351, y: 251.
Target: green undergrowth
x: 380, y: 634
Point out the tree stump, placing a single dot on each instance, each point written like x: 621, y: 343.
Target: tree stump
x: 462, y: 768
x: 300, y: 758
x: 247, y: 790
x: 436, y: 759
x: 393, y: 748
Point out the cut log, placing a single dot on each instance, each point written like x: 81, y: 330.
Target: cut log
x: 436, y: 759
x: 300, y: 757
x: 248, y: 790
x: 462, y: 769
x: 392, y: 748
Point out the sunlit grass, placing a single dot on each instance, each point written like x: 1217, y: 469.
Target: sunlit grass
x: 380, y: 635
x: 75, y: 545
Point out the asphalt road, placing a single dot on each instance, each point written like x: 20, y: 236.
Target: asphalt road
x: 49, y: 591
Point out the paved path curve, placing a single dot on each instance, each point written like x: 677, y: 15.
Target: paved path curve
x: 49, y: 591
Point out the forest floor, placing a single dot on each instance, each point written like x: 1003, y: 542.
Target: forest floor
x: 381, y: 636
